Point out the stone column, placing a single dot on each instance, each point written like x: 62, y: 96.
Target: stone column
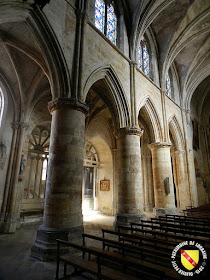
x: 63, y: 201
x: 144, y: 181
x: 188, y: 133
x: 130, y: 194
x: 182, y: 183
x: 162, y: 169
x: 10, y: 208
x: 149, y: 183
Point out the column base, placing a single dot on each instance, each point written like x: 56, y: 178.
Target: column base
x: 9, y: 225
x: 126, y: 219
x: 45, y: 246
x: 164, y: 211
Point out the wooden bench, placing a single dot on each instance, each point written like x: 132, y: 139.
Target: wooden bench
x: 155, y: 232
x: 182, y: 221
x: 181, y: 217
x: 185, y: 229
x: 129, y: 262
x: 143, y: 246
x: 94, y: 268
x: 173, y: 229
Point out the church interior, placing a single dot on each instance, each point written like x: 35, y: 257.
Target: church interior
x: 104, y: 123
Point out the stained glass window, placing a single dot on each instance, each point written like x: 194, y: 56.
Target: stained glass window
x: 100, y: 14
x: 140, y: 57
x: 143, y: 57
x: 168, y: 85
x: 111, y: 24
x: 106, y: 20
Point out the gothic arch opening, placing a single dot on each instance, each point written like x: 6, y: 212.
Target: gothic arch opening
x: 100, y: 127
x: 146, y: 160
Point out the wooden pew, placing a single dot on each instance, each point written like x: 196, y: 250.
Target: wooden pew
x: 182, y: 221
x: 129, y: 262
x: 161, y: 247
x: 181, y: 217
x: 155, y: 231
x: 95, y: 268
x: 185, y: 229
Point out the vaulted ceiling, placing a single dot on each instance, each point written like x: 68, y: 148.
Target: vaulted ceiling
x: 181, y: 31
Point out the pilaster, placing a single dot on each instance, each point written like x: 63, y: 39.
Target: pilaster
x: 162, y: 176
x: 10, y: 207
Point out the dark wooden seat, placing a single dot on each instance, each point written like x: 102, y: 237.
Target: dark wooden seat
x: 130, y: 261
x: 182, y: 221
x: 191, y: 218
x: 185, y: 229
x: 176, y: 233
x: 159, y: 246
x: 95, y: 268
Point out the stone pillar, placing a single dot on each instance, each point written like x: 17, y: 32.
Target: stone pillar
x: 10, y: 207
x: 182, y: 184
x: 149, y: 183
x: 130, y: 194
x: 63, y: 200
x: 188, y: 133
x: 162, y: 169
x: 144, y: 182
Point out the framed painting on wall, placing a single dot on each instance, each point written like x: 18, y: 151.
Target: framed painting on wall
x: 104, y: 185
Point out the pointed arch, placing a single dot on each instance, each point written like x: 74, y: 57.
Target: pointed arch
x: 176, y: 133
x: 43, y: 33
x: 116, y: 95
x: 154, y: 121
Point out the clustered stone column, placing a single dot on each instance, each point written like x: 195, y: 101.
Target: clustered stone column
x: 190, y: 157
x: 63, y: 200
x: 182, y: 183
x: 162, y: 169
x: 10, y: 207
x: 148, y: 183
x: 130, y: 194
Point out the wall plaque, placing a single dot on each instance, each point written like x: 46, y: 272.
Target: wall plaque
x: 104, y: 185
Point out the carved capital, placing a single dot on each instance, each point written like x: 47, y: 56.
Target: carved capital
x: 133, y: 63
x: 70, y: 102
x: 158, y: 145
x: 20, y: 125
x: 187, y: 115
x: 129, y: 131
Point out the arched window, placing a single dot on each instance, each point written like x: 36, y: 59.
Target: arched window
x: 168, y: 85
x: 143, y: 57
x: 1, y: 105
x: 106, y: 20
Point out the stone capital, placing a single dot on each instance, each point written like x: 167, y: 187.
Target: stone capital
x: 20, y: 125
x: 70, y: 102
x: 129, y: 131
x: 158, y: 145
x: 187, y: 115
x: 164, y: 92
x: 133, y: 63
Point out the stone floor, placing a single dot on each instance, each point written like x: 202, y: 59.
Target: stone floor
x: 15, y: 260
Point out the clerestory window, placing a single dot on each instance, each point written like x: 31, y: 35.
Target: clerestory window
x: 143, y: 57
x: 106, y: 20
